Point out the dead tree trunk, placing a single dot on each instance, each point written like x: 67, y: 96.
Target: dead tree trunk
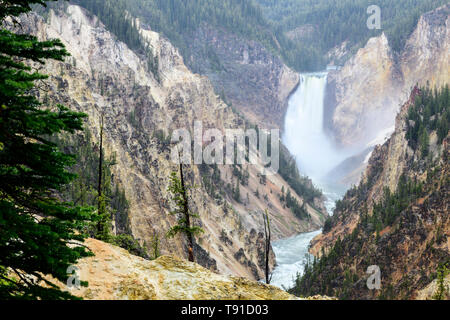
x: 100, y: 176
x: 187, y: 216
x: 267, y: 234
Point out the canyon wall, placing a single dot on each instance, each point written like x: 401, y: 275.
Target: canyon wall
x: 366, y: 93
x: 364, y: 96
x: 254, y: 80
x: 414, y: 243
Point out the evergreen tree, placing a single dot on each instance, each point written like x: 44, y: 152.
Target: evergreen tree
x: 36, y: 228
x: 178, y: 190
x: 104, y: 223
x: 424, y: 141
x: 442, y: 289
x: 237, y: 192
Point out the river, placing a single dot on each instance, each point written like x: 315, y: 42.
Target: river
x: 316, y: 155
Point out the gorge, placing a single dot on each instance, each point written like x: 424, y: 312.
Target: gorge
x: 316, y: 155
x: 360, y: 179
x: 140, y: 111
x: 336, y: 119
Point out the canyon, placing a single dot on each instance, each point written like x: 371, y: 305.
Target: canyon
x: 350, y: 112
x: 356, y: 131
x: 357, y: 103
x: 103, y: 77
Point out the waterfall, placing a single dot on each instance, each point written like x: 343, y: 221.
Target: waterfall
x: 304, y: 134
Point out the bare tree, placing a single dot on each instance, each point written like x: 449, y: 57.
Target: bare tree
x: 267, y: 236
x: 101, y: 225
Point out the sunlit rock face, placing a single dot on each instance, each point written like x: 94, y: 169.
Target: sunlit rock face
x: 364, y: 96
x: 426, y: 57
x: 368, y: 91
x: 115, y: 274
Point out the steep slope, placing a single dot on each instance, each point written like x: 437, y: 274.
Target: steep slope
x: 364, y: 96
x: 365, y: 93
x: 251, y: 78
x: 370, y: 87
x: 104, y: 77
x: 427, y: 51
x: 398, y: 217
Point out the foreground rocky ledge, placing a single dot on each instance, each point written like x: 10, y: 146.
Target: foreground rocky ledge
x: 115, y: 274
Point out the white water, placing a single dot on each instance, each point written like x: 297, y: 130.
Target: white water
x: 316, y: 156
x: 291, y: 256
x: 303, y: 131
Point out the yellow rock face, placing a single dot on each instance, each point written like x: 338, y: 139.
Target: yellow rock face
x: 366, y: 89
x: 115, y: 274
x: 429, y: 291
x: 373, y: 84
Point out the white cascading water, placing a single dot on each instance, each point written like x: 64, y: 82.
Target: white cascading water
x: 291, y: 257
x: 316, y: 155
x: 303, y: 133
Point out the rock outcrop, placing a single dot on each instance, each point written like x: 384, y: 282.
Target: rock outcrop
x: 115, y: 274
x: 104, y: 77
x: 429, y: 291
x: 426, y: 55
x: 366, y: 93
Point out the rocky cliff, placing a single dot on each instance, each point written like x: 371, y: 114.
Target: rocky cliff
x: 426, y: 55
x: 114, y: 274
x: 384, y: 168
x: 254, y: 80
x: 397, y: 218
x: 365, y: 94
x: 104, y: 77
